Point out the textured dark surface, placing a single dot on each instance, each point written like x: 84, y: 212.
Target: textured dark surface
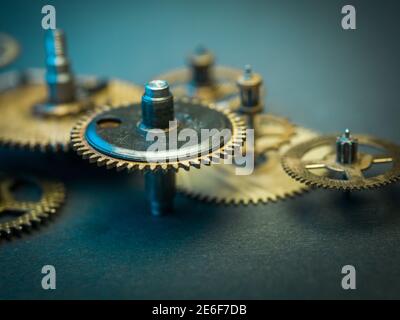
x: 104, y: 245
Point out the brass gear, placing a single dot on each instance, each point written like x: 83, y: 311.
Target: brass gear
x: 268, y: 182
x: 9, y: 49
x: 22, y: 127
x: 81, y: 145
x: 30, y: 212
x: 224, y: 88
x: 351, y: 175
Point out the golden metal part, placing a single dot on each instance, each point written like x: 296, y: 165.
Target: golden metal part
x: 83, y: 147
x: 28, y: 212
x: 268, y: 182
x: 22, y: 126
x: 223, y: 87
x: 9, y: 50
x: 352, y: 176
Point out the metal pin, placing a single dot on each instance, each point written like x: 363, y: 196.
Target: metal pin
x: 59, y: 78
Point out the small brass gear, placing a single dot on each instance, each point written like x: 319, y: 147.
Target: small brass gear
x: 28, y: 212
x: 9, y: 49
x: 201, y: 79
x: 125, y: 115
x: 22, y: 127
x: 268, y: 182
x: 321, y: 155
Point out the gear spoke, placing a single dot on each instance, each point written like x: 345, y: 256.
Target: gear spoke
x: 382, y: 158
x: 315, y: 164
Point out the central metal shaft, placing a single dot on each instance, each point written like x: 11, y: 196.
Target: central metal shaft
x: 59, y: 78
x: 157, y: 112
x: 201, y: 63
x: 346, y: 148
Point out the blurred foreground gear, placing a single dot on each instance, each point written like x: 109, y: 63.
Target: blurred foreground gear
x: 268, y: 181
x: 9, y: 50
x: 37, y: 114
x: 25, y: 213
x: 123, y: 138
x: 202, y: 79
x: 348, y: 167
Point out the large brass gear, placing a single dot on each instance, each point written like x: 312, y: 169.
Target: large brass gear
x: 268, y: 182
x: 22, y: 127
x: 349, y: 176
x: 9, y: 49
x: 28, y: 213
x: 83, y: 147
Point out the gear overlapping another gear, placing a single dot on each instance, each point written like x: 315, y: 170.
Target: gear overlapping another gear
x: 343, y: 175
x: 119, y: 138
x: 28, y: 212
x: 268, y: 182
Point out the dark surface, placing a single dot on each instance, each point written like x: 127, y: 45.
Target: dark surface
x: 104, y: 245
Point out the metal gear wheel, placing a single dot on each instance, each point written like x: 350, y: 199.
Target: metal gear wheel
x: 202, y: 80
x: 346, y: 169
x: 119, y: 137
x: 268, y: 182
x: 22, y: 127
x: 117, y: 128
x: 26, y: 212
x: 9, y: 50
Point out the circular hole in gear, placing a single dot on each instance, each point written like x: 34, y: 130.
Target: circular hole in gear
x: 8, y: 215
x: 108, y: 123
x: 26, y: 191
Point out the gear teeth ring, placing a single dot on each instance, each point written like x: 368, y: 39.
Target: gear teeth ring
x: 86, y: 151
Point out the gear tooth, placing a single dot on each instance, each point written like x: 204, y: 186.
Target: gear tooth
x: 93, y: 158
x: 195, y: 163
x: 121, y: 166
x: 184, y: 165
x: 101, y: 161
x: 86, y: 154
x: 206, y: 161
x: 111, y: 164
x: 165, y: 166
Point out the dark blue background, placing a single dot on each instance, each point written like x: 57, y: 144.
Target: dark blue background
x: 104, y: 245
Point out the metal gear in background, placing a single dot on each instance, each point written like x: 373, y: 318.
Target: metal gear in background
x: 39, y: 115
x: 348, y: 167
x: 201, y: 79
x: 268, y: 181
x: 9, y: 50
x: 25, y: 213
x: 116, y: 138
